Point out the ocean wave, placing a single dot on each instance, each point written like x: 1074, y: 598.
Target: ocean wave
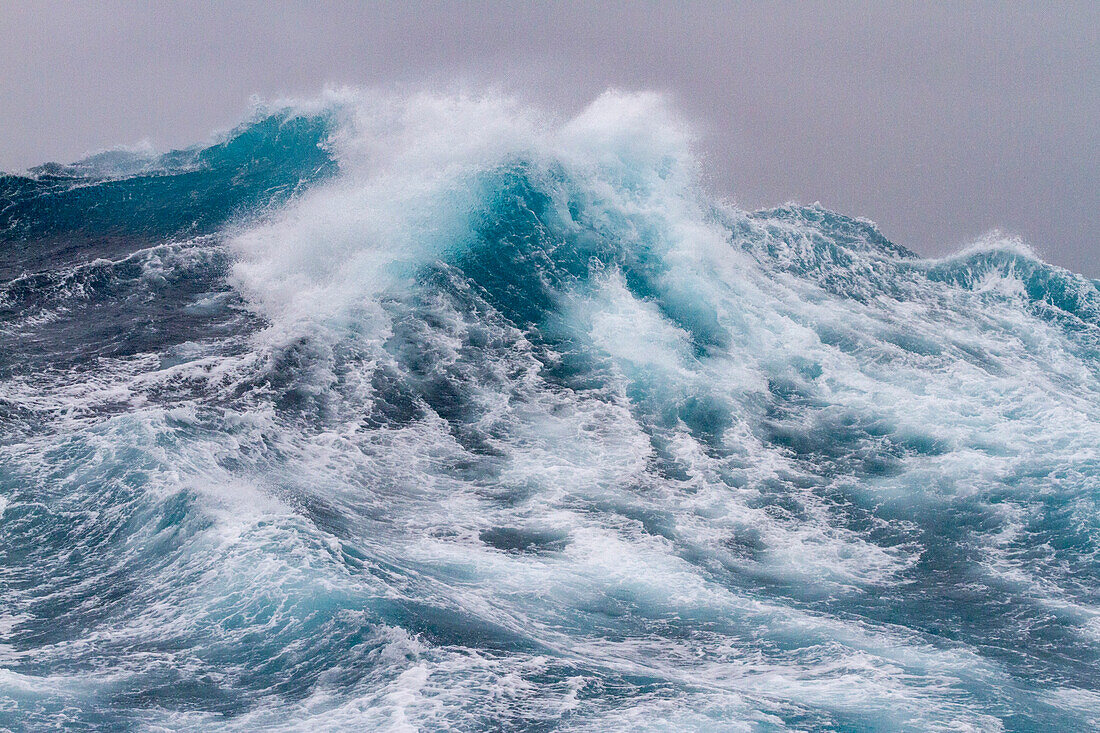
x: 439, y: 411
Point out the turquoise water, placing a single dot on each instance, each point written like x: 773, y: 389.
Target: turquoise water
x: 443, y: 413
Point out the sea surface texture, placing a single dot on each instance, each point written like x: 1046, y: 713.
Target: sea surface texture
x: 437, y: 412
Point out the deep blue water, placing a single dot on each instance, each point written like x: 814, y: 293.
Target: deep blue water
x: 437, y: 413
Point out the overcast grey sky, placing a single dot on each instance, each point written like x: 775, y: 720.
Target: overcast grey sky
x: 937, y: 121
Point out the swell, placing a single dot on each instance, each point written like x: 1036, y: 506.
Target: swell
x: 58, y: 215
x: 434, y: 412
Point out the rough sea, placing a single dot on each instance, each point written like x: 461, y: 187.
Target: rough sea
x: 435, y: 412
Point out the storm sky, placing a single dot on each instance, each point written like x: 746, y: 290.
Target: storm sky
x: 939, y: 122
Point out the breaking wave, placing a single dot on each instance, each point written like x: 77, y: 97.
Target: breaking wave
x: 440, y: 412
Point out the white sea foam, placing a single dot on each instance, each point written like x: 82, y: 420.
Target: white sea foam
x: 389, y: 509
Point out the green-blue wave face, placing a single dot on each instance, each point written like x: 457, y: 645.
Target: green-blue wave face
x: 433, y: 413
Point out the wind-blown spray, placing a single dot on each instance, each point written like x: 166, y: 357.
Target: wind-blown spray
x: 436, y: 412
